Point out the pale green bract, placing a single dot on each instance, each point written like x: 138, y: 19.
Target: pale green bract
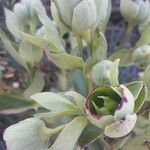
x: 30, y: 134
x: 68, y: 138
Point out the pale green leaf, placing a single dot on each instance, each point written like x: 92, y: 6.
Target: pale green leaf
x: 66, y: 61
x: 89, y: 134
x: 12, y: 102
x: 114, y: 73
x: 30, y: 54
x: 147, y: 80
x: 138, y: 143
x: 36, y: 86
x: 99, y: 52
x: 51, y: 117
x: 139, y: 91
x: 100, y: 45
x: 11, y: 50
x: 69, y: 136
x: 77, y: 81
x: 125, y: 57
x: 13, y: 24
x: 38, y: 41
x: 145, y: 38
x: 51, y: 29
x: 78, y: 99
x: 54, y: 102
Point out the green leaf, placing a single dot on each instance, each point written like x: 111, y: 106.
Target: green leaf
x: 139, y: 91
x: 69, y: 136
x: 35, y: 40
x: 114, y: 73
x: 11, y: 50
x: 12, y: 102
x: 100, y: 45
x: 13, y: 25
x: 77, y: 98
x: 76, y: 80
x: 138, y: 143
x: 36, y: 86
x: 54, y: 102
x: 125, y: 57
x: 51, y: 117
x: 145, y: 38
x: 99, y: 52
x: 89, y: 134
x: 51, y: 29
x: 65, y: 61
x: 30, y: 54
x: 147, y: 80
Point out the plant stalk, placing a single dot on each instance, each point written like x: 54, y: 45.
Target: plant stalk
x: 127, y: 35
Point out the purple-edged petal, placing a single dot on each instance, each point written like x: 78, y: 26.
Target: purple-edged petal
x: 99, y: 121
x: 121, y: 127
x: 126, y: 105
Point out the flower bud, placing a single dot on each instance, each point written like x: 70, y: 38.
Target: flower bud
x: 78, y: 15
x: 101, y: 72
x: 30, y: 134
x: 30, y: 6
x: 108, y: 107
x: 21, y: 12
x: 141, y: 56
x: 135, y: 11
x: 81, y: 15
x: 103, y: 13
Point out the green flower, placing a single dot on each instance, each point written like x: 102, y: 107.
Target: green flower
x: 112, y: 108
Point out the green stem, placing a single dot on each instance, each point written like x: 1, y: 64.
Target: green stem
x: 63, y: 79
x: 90, y: 44
x: 127, y: 35
x: 90, y: 83
x: 80, y: 44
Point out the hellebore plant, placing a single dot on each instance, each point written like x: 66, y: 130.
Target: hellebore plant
x: 91, y: 105
x: 24, y: 53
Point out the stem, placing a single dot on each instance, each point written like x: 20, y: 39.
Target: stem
x: 90, y: 83
x: 63, y: 80
x: 91, y: 42
x: 55, y: 130
x: 127, y: 35
x: 80, y: 44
